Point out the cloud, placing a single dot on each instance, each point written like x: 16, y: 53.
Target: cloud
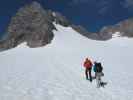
x: 79, y: 1
x: 103, y: 10
x: 128, y: 4
x: 103, y: 6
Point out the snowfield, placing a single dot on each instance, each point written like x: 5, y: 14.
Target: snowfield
x: 55, y: 71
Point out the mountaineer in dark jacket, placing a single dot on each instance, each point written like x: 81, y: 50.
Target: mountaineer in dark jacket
x: 97, y: 68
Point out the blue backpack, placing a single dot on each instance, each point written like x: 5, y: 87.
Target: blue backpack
x: 94, y: 68
x: 97, y: 67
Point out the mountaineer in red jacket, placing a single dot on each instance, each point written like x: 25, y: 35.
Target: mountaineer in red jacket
x: 88, y: 66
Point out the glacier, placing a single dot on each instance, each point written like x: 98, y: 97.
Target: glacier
x: 56, y: 72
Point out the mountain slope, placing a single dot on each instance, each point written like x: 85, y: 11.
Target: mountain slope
x: 34, y: 24
x: 125, y: 27
x: 55, y: 72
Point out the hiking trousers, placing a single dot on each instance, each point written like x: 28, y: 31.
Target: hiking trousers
x: 86, y: 73
x: 98, y: 78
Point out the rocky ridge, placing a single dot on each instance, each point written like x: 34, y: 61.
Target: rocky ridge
x: 34, y: 24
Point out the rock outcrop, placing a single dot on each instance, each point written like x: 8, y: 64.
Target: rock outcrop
x: 32, y: 24
x: 124, y: 27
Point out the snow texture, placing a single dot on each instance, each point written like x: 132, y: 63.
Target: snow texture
x: 55, y: 72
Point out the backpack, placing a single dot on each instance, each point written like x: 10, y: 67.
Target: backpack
x: 94, y: 68
x: 98, y: 67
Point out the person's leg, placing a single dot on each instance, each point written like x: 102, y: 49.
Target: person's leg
x: 98, y: 80
x: 100, y: 75
x: 95, y: 76
x: 90, y: 75
x: 86, y: 73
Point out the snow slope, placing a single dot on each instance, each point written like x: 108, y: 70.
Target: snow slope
x: 55, y: 72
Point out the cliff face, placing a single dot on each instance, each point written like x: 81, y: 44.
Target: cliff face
x: 32, y: 24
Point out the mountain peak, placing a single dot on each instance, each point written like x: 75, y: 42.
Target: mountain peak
x: 35, y: 5
x: 32, y: 24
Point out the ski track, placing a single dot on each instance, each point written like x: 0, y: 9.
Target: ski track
x: 55, y: 72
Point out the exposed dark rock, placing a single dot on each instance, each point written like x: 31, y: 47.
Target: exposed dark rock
x: 85, y: 32
x: 124, y: 27
x: 31, y: 24
x: 34, y: 25
x: 80, y: 29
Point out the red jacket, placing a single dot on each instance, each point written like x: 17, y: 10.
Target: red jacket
x: 87, y: 64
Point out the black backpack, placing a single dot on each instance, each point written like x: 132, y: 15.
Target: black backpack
x: 99, y: 67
